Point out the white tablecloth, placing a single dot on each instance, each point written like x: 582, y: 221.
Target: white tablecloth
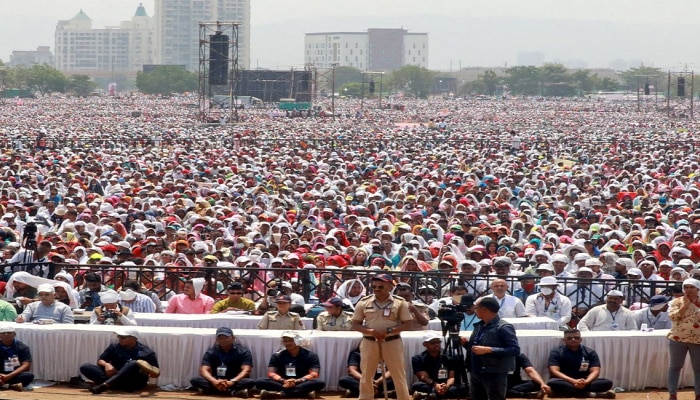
x: 205, y: 320
x: 632, y: 360
x: 530, y: 323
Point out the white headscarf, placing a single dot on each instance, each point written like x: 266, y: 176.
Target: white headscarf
x: 72, y: 294
x: 198, y: 284
x: 26, y: 278
x: 344, y: 291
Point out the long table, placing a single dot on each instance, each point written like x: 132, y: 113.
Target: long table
x: 632, y: 359
x: 240, y: 321
x: 525, y: 323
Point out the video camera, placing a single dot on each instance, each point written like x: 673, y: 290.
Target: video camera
x: 451, y: 314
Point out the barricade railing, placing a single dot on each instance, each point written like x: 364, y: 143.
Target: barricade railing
x: 318, y: 285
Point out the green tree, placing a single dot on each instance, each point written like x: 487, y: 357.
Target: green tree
x: 352, y: 89
x: 608, y: 85
x: 166, y: 79
x: 491, y: 80
x: 81, y: 85
x: 413, y: 80
x: 636, y: 77
x: 473, y: 88
x: 584, y: 81
x: 345, y: 75
x: 523, y: 80
x: 43, y: 78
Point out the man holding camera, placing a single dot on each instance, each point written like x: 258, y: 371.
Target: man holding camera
x: 111, y: 312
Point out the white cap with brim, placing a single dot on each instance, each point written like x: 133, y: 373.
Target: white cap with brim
x: 7, y: 329
x: 430, y: 336
x: 45, y: 288
x: 615, y: 293
x: 127, y: 332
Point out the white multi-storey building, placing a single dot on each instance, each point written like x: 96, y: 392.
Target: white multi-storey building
x: 177, y: 29
x: 80, y: 48
x: 376, y: 49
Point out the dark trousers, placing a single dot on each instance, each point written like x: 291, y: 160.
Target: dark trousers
x: 207, y: 387
x: 299, y: 391
x: 488, y: 386
x: 129, y: 378
x: 25, y: 378
x: 353, y: 385
x: 454, y: 392
x: 563, y: 388
x: 523, y: 389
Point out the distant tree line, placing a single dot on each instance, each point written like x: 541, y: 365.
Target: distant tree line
x: 44, y: 79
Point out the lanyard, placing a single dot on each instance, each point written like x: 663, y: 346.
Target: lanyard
x: 613, y: 315
x: 468, y: 324
x: 649, y: 314
x: 551, y: 303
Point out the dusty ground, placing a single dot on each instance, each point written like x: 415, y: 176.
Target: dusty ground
x: 61, y: 392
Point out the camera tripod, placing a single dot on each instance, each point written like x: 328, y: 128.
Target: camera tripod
x: 454, y: 352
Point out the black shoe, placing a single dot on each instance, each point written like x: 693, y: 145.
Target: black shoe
x: 78, y: 382
x: 97, y: 389
x: 243, y: 393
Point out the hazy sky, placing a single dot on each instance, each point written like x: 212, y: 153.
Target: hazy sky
x: 595, y: 33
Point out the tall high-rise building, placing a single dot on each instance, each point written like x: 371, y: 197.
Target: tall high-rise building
x: 177, y: 29
x: 376, y: 49
x: 123, y: 48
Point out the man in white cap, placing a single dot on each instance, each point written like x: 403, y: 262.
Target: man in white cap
x: 47, y: 308
x: 111, y: 312
x: 654, y: 316
x: 549, y: 303
x: 124, y: 365
x: 17, y: 360
x: 611, y: 316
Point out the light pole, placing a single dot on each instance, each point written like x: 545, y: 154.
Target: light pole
x: 333, y: 88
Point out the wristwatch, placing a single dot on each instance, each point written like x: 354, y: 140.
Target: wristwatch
x: 389, y: 330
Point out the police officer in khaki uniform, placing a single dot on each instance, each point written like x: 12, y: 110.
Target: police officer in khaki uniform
x: 384, y: 316
x: 334, y: 318
x: 282, y: 319
x: 419, y: 311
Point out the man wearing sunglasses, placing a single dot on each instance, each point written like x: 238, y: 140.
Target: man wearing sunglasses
x: 235, y: 301
x: 381, y: 318
x: 575, y: 370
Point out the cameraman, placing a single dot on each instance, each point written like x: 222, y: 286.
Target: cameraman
x: 111, y: 312
x: 40, y: 255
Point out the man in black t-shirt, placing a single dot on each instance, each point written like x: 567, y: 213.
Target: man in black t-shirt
x: 351, y: 382
x: 532, y: 389
x: 125, y: 365
x: 225, y: 367
x: 16, y: 360
x: 292, y: 372
x: 574, y: 370
x: 435, y: 372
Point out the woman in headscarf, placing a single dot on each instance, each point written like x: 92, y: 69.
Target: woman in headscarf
x: 352, y: 290
x: 65, y: 294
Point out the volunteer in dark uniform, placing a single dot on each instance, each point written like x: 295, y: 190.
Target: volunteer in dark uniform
x: 282, y: 318
x: 225, y: 367
x: 536, y: 388
x: 575, y: 369
x: 435, y: 372
x: 334, y: 318
x: 125, y: 365
x: 381, y: 318
x: 351, y: 382
x: 16, y: 359
x: 292, y: 372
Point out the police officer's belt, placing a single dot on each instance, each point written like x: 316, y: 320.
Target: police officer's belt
x: 387, y: 339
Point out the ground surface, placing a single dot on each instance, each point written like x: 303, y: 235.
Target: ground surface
x: 61, y: 392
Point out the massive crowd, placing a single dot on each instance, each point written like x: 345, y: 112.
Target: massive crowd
x: 548, y: 205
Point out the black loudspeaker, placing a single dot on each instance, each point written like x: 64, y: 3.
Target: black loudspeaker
x: 647, y: 89
x: 218, y: 59
x: 371, y: 87
x: 681, y: 86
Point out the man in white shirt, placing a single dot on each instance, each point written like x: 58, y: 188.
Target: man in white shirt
x: 549, y: 303
x: 510, y: 306
x: 654, y: 316
x: 611, y: 316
